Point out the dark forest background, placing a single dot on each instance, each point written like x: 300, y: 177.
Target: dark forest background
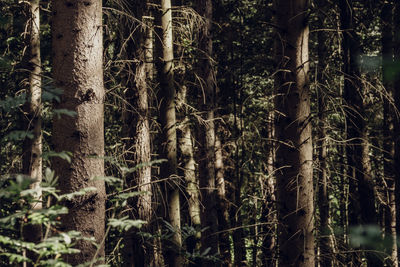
x: 236, y: 133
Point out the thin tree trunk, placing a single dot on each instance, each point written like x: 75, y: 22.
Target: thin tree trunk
x: 293, y: 131
x: 350, y: 71
x: 139, y: 251
x: 357, y: 148
x: 32, y: 157
x: 209, y: 217
x: 189, y: 172
x: 168, y: 123
x: 396, y: 133
x: 78, y: 71
x: 269, y: 207
x: 239, y: 246
x: 388, y: 127
x: 323, y: 201
x: 222, y: 204
x: 326, y: 251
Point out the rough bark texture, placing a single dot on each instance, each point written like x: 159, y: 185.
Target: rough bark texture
x: 209, y: 219
x: 293, y: 130
x: 139, y: 251
x: 32, y: 157
x: 78, y: 71
x: 325, y: 248
x: 167, y: 95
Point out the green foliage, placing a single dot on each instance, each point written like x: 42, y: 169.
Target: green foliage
x: 17, y: 136
x: 10, y: 102
x: 124, y: 224
x: 16, y: 189
x: 65, y: 155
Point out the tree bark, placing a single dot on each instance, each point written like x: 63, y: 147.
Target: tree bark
x: 32, y: 157
x: 208, y: 190
x: 293, y: 131
x: 139, y: 251
x: 167, y: 93
x: 189, y: 171
x: 78, y: 71
x: 269, y: 208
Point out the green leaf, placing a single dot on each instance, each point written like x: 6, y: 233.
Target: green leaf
x: 124, y: 224
x: 18, y: 135
x: 66, y: 155
x: 109, y: 179
x: 10, y: 103
x: 12, y: 257
x: 206, y: 251
x: 50, y: 177
x: 51, y: 93
x: 81, y: 192
x: 49, y: 215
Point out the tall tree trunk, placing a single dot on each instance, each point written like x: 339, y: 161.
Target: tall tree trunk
x: 358, y: 159
x: 222, y: 204
x: 189, y: 172
x: 326, y: 252
x: 388, y: 126
x: 396, y: 133
x: 32, y: 157
x: 269, y: 207
x: 350, y: 70
x: 239, y: 246
x: 78, y: 70
x: 293, y: 130
x: 167, y: 95
x: 357, y: 148
x: 209, y: 217
x: 138, y: 249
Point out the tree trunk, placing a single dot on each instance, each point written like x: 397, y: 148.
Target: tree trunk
x: 357, y: 148
x: 209, y: 215
x: 388, y: 127
x: 269, y: 207
x: 350, y: 71
x: 222, y: 204
x: 78, y: 70
x: 396, y: 133
x: 239, y: 246
x: 189, y: 171
x: 167, y: 94
x: 139, y: 251
x: 325, y: 248
x: 32, y: 157
x: 293, y: 130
